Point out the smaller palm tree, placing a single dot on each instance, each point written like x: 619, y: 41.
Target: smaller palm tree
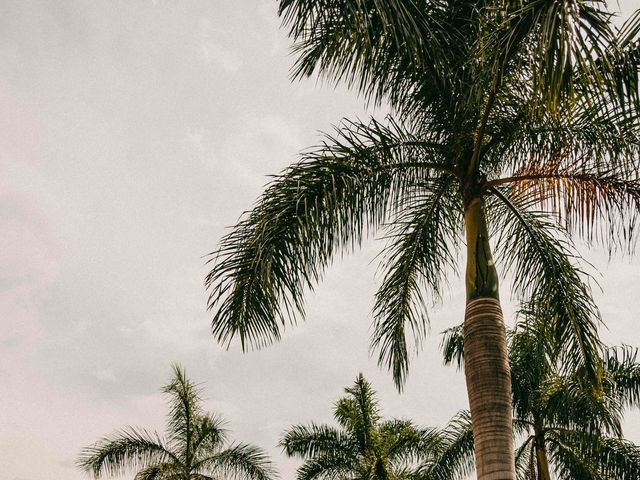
x: 196, y: 446
x: 566, y: 426
x: 364, y: 447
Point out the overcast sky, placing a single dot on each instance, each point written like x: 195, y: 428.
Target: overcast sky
x: 133, y: 133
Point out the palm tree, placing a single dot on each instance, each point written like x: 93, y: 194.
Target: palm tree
x: 565, y: 426
x: 196, y: 446
x: 514, y: 125
x: 364, y: 447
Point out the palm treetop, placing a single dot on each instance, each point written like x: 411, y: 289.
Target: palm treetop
x: 196, y: 445
x: 527, y: 111
x: 364, y: 446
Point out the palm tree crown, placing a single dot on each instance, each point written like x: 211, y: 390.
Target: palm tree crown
x: 364, y: 447
x: 195, y: 447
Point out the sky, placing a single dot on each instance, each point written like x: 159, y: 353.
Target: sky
x: 134, y: 133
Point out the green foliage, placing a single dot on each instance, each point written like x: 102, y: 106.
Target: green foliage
x: 195, y: 447
x: 531, y: 107
x: 364, y: 447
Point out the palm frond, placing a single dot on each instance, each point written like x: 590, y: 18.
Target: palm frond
x: 600, y: 205
x: 314, y: 440
x: 329, y: 200
x: 580, y: 455
x: 452, y: 346
x: 126, y: 450
x: 209, y: 435
x: 455, y: 460
x: 325, y: 467
x: 524, y: 459
x: 240, y: 461
x: 405, y: 442
x: 622, y: 371
x: 385, y: 49
x: 545, y: 277
x: 184, y: 412
x: 566, y: 47
x: 359, y: 413
x: 161, y: 471
x: 420, y: 254
x: 572, y: 402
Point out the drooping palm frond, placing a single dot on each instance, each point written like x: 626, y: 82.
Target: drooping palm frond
x: 545, y: 276
x: 421, y: 253
x: 580, y: 455
x: 327, y: 201
x: 572, y: 402
x: 161, y: 471
x: 452, y: 346
x: 400, y: 50
x: 455, y: 459
x: 566, y: 46
x: 315, y: 440
x: 525, y: 469
x: 622, y: 375
x: 126, y: 450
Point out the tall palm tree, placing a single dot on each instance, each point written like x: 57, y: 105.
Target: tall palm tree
x: 196, y: 446
x: 565, y: 426
x: 364, y: 447
x: 515, y: 124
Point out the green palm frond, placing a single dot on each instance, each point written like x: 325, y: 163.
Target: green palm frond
x: 329, y: 200
x: 128, y: 449
x: 325, y: 467
x: 571, y: 401
x: 622, y: 372
x: 421, y: 252
x: 580, y: 455
x: 404, y: 442
x: 241, y: 461
x: 455, y: 460
x: 545, y: 276
x: 384, y: 49
x: 364, y: 446
x: 184, y: 411
x: 209, y: 435
x: 452, y: 346
x: 524, y: 457
x: 359, y: 412
x: 565, y: 44
x: 315, y: 440
x: 160, y: 471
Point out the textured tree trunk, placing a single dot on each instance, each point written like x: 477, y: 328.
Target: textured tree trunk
x: 485, y: 355
x: 541, y: 457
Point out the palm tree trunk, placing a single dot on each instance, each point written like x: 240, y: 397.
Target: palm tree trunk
x: 541, y: 456
x: 485, y: 354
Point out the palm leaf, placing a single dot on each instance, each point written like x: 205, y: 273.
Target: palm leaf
x: 327, y: 201
x: 417, y: 260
